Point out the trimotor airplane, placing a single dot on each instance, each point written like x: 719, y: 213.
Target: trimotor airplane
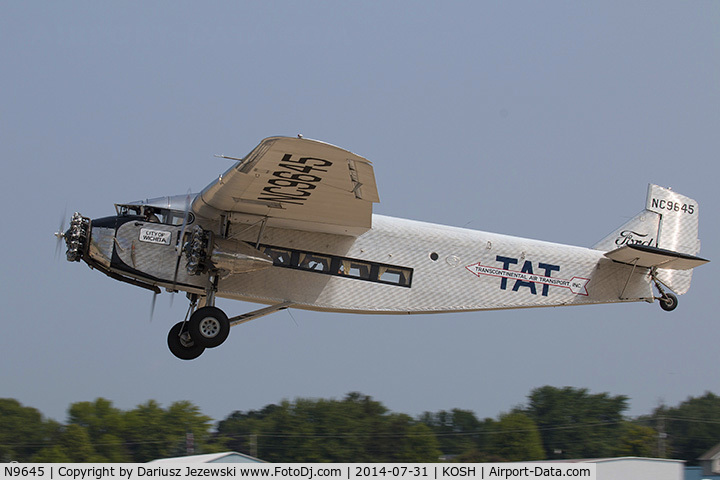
x: 291, y: 225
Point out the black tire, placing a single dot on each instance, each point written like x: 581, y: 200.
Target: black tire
x: 181, y: 345
x: 209, y: 327
x: 668, y: 302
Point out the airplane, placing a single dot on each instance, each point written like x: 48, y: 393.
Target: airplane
x: 291, y: 225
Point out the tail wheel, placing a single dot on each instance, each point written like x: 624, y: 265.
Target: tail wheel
x: 209, y: 327
x: 668, y: 302
x: 181, y: 343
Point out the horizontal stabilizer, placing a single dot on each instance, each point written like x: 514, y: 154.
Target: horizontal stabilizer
x: 645, y: 256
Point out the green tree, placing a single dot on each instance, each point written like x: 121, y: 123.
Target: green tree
x: 23, y: 431
x: 635, y: 441
x: 76, y: 445
x: 71, y: 444
x: 517, y: 439
x: 53, y: 454
x: 419, y: 445
x: 336, y: 427
x: 286, y: 436
x: 184, y: 420
x: 458, y: 431
x: 145, y: 432
x: 693, y: 427
x: 354, y: 429
x: 574, y: 423
x: 239, y: 431
x: 105, y: 425
x: 151, y: 432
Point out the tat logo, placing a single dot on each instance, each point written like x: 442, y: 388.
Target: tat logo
x: 629, y: 237
x: 527, y: 278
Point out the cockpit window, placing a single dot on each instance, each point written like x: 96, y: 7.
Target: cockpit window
x: 175, y: 218
x: 156, y: 215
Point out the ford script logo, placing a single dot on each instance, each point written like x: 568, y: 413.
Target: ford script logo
x: 628, y: 237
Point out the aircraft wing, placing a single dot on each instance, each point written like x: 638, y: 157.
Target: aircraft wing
x: 296, y: 183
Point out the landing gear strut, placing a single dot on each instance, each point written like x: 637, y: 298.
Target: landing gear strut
x: 668, y: 301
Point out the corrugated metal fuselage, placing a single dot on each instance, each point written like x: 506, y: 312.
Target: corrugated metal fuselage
x: 452, y: 269
x: 398, y: 266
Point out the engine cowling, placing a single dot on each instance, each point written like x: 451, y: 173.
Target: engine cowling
x: 225, y: 256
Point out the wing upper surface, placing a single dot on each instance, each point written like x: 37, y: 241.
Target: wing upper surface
x: 296, y: 183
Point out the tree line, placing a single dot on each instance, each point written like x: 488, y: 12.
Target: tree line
x: 554, y: 423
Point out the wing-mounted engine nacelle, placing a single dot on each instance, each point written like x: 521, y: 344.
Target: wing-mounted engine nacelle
x: 207, y: 253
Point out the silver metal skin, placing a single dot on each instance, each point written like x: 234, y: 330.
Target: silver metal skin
x: 233, y: 257
x: 290, y: 225
x: 466, y: 276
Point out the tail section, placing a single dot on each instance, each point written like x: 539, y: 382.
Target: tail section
x: 669, y: 228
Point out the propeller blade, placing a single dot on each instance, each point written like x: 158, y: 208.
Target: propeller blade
x: 182, y: 238
x: 152, y: 305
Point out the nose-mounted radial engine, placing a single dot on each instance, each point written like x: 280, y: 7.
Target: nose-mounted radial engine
x: 76, y: 237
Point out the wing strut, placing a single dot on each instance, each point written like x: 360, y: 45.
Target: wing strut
x: 634, y: 265
x: 246, y: 317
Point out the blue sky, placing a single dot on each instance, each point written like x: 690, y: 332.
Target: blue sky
x: 545, y: 120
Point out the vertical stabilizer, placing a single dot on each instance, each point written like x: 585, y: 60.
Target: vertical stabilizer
x: 670, y: 222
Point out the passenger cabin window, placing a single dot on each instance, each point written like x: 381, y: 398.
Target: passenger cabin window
x: 355, y: 269
x: 398, y: 276
x: 339, y: 266
x: 318, y: 263
x: 280, y: 257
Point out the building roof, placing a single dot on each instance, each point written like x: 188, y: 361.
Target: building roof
x: 223, y: 457
x: 640, y: 459
x: 612, y: 459
x: 714, y: 452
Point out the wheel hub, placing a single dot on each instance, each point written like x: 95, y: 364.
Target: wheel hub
x: 185, y: 340
x: 209, y: 327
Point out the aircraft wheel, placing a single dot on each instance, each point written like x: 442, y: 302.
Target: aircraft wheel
x: 668, y: 302
x: 209, y: 326
x: 181, y: 344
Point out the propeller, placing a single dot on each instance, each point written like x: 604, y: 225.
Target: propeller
x: 60, y: 234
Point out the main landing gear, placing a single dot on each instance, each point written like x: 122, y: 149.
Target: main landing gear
x: 208, y: 327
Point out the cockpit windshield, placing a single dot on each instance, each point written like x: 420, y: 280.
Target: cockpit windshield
x: 167, y: 210
x: 155, y: 214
